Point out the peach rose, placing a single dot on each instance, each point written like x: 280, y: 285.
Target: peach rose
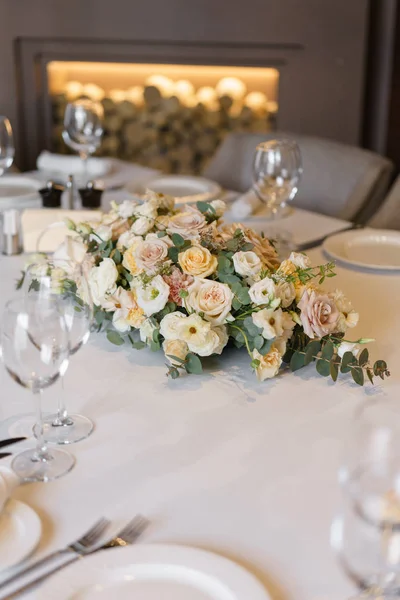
x: 188, y: 224
x: 319, y: 314
x: 198, y: 261
x: 149, y: 254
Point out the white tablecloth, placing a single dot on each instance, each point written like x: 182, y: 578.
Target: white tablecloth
x: 217, y: 461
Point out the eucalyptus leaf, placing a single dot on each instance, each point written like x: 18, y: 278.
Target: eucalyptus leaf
x: 258, y: 342
x: 312, y: 350
x: 358, y: 375
x: 193, y: 364
x: 327, y: 350
x: 114, y: 337
x: 181, y: 361
x: 297, y: 361
x: 348, y: 361
x: 177, y: 240
x: 334, y: 369
x: 173, y: 254
x: 363, y: 358
x: 323, y: 367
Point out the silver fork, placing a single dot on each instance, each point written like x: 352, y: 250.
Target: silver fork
x: 80, y: 547
x: 126, y: 536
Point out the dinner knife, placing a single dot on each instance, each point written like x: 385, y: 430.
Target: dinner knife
x: 4, y: 454
x: 319, y: 241
x: 10, y: 441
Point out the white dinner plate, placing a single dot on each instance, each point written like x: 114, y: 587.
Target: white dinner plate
x: 17, y: 191
x: 373, y: 248
x: 20, y: 531
x: 154, y: 572
x: 185, y: 188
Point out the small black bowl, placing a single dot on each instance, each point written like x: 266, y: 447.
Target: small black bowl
x: 91, y: 197
x: 51, y: 195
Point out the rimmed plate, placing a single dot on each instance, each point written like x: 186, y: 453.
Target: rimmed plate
x: 154, y: 572
x: 185, y: 188
x: 372, y: 248
x: 17, y: 191
x: 20, y: 532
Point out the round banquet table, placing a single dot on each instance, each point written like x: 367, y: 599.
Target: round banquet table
x: 217, y: 461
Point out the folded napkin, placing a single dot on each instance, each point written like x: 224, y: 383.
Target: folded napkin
x: 45, y: 230
x: 8, y: 482
x: 72, y: 165
x: 245, y: 205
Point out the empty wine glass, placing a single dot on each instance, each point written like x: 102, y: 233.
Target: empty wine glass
x: 35, y: 351
x: 83, y: 128
x: 6, y: 145
x: 367, y: 533
x: 66, y: 280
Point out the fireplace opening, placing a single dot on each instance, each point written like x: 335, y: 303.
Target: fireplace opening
x: 167, y: 116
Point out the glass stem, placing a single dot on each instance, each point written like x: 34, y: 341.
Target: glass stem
x: 62, y: 414
x: 85, y: 157
x: 41, y: 447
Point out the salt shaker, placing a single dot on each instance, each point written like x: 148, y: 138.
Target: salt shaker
x: 11, y: 232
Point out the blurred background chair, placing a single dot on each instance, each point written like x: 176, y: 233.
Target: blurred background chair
x: 338, y: 180
x: 388, y: 215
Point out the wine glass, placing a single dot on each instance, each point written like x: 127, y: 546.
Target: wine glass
x: 66, y: 280
x: 83, y: 128
x: 367, y: 534
x: 6, y: 145
x: 35, y: 352
x: 277, y: 171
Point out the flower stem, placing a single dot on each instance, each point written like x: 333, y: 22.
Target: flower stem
x: 246, y: 341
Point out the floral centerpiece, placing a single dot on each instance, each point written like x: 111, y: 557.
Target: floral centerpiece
x: 180, y: 280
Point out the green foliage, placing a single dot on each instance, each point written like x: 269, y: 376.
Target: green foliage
x: 115, y: 338
x: 177, y: 240
x: 193, y: 364
x: 297, y: 361
x: 173, y: 254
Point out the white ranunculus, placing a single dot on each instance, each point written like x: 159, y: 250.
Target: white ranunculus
x: 263, y: 292
x: 223, y: 336
x: 102, y: 280
x: 286, y: 292
x: 104, y: 232
x: 127, y: 313
x: 348, y: 347
x: 270, y: 321
x: 153, y: 297
x: 146, y: 331
x: 212, y: 298
x: 126, y: 209
x: 169, y: 326
x: 127, y: 239
x: 247, y: 264
x: 71, y: 249
x: 300, y: 260
x: 198, y: 335
x: 219, y: 206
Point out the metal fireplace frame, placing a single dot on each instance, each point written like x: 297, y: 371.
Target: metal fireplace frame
x: 33, y: 55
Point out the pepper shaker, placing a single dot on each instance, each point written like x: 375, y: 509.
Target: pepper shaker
x: 12, y: 243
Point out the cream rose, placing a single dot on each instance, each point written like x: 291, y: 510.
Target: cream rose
x: 219, y: 206
x: 169, y: 326
x: 104, y: 232
x: 160, y: 201
x: 188, y: 224
x: 198, y: 261
x: 319, y: 314
x: 269, y: 363
x: 264, y: 292
x: 147, y: 329
x: 300, y: 261
x: 70, y: 250
x: 348, y: 317
x: 211, y: 298
x: 286, y: 292
x: 129, y: 258
x: 102, y: 280
x: 126, y: 209
x: 146, y: 215
x: 127, y: 239
x: 247, y: 264
x: 175, y: 348
x: 149, y: 254
x: 222, y: 334
x: 153, y: 297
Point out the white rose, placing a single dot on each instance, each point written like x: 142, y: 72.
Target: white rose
x: 149, y: 254
x: 219, y: 206
x: 263, y: 292
x: 127, y: 239
x: 176, y: 348
x: 146, y: 331
x: 162, y: 201
x: 188, y: 224
x: 165, y: 238
x: 269, y: 363
x: 169, y: 326
x: 198, y: 335
x: 212, y: 298
x: 153, y: 297
x: 348, y: 347
x: 71, y: 249
x: 286, y: 292
x: 104, y: 232
x: 247, y: 264
x: 126, y: 209
x: 300, y: 261
x: 142, y: 225
x: 222, y: 334
x: 102, y: 280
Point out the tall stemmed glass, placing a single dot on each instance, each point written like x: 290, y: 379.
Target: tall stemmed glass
x: 367, y: 533
x: 35, y: 351
x: 83, y: 129
x: 277, y: 170
x: 67, y: 281
x: 6, y: 145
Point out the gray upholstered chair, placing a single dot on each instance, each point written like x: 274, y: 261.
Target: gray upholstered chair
x: 388, y: 215
x: 338, y: 180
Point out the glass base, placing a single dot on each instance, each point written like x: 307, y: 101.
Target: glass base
x: 70, y: 430
x: 54, y: 464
